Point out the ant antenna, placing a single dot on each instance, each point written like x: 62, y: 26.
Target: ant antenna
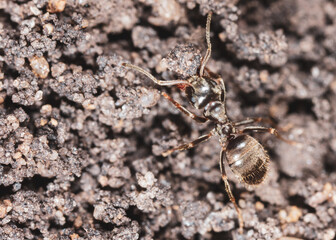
x: 208, y: 52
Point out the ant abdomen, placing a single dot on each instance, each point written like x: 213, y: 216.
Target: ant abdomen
x: 248, y: 159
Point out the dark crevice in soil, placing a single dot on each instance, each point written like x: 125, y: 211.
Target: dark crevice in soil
x: 5, y: 192
x: 36, y: 183
x: 299, y: 201
x: 303, y: 106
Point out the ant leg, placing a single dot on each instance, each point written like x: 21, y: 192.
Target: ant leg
x: 208, y: 52
x: 264, y: 120
x: 159, y: 82
x: 271, y: 131
x: 228, y: 190
x: 254, y: 120
x: 188, y: 145
x: 184, y: 110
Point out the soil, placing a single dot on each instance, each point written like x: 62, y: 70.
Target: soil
x: 81, y: 136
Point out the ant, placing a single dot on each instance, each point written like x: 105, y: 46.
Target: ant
x: 245, y: 156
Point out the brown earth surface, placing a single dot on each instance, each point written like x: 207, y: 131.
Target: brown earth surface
x: 81, y: 136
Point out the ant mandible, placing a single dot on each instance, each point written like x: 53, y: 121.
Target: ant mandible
x: 244, y: 154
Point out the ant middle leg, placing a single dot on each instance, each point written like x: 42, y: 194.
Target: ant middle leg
x: 272, y: 131
x: 184, y: 110
x: 188, y: 145
x: 229, y: 192
x: 159, y: 82
x: 254, y: 120
x: 208, y: 52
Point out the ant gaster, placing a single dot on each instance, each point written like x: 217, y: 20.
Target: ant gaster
x: 245, y: 155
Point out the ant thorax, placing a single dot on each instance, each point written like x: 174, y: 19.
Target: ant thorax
x: 216, y: 112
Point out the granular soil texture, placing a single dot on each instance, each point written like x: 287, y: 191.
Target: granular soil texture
x: 82, y: 136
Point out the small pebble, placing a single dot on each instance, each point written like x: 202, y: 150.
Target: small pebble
x: 48, y: 28
x: 259, y: 206
x: 43, y: 122
x: 53, y: 122
x: 38, y: 95
x: 16, y: 187
x: 149, y: 97
x: 294, y: 214
x: 85, y: 23
x: 40, y: 66
x: 46, y: 109
x: 17, y: 155
x: 55, y: 6
x: 147, y: 180
x: 35, y: 10
x: 5, y: 207
x: 74, y: 236
x: 329, y: 234
x: 3, y: 211
x: 103, y: 180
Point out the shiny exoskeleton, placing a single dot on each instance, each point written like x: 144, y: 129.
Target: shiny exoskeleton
x: 245, y: 155
x: 247, y: 159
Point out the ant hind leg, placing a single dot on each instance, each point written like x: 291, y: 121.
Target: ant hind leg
x: 254, y: 120
x: 229, y: 192
x: 272, y: 131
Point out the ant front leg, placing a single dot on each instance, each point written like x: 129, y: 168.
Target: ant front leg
x: 188, y: 145
x: 272, y: 131
x: 184, y: 110
x: 229, y: 192
x: 159, y: 82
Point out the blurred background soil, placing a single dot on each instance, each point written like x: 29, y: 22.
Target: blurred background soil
x: 81, y: 137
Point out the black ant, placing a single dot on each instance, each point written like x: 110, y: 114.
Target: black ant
x: 244, y: 154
